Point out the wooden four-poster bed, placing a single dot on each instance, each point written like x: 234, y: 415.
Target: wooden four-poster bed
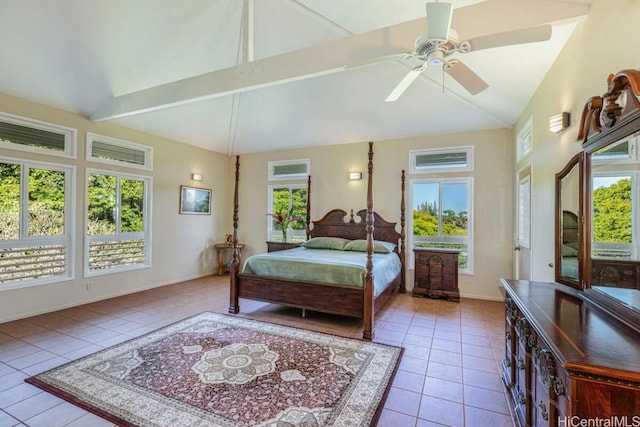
x: 357, y: 291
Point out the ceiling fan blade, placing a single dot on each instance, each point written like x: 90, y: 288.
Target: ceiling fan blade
x: 439, y: 20
x: 466, y: 77
x: 525, y: 35
x: 405, y: 83
x: 376, y: 60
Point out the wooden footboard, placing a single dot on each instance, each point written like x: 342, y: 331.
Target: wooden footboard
x: 323, y: 297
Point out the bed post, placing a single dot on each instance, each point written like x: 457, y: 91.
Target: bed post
x: 367, y: 332
x: 403, y: 286
x: 308, y: 219
x: 235, y: 257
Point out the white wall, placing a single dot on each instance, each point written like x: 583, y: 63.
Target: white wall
x: 604, y: 43
x: 331, y: 189
x: 180, y: 243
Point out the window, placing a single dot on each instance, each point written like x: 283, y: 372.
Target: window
x: 525, y: 141
x: 614, y: 200
x: 621, y: 152
x: 454, y: 159
x: 442, y: 216
x: 288, y: 209
x: 35, y: 222
x: 118, y: 222
x: 103, y: 149
x: 289, y: 169
x: 19, y: 133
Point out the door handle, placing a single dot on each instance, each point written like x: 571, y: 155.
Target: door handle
x: 517, y: 248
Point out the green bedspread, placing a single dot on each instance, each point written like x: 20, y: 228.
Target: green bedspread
x: 326, y: 266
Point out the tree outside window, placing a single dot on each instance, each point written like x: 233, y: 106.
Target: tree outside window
x: 441, y: 216
x: 287, y: 217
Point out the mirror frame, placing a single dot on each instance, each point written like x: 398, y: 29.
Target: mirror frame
x: 605, y: 120
x: 576, y: 161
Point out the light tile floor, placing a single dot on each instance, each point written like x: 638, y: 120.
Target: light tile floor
x: 449, y: 373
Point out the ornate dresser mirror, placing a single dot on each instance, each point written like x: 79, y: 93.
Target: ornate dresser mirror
x: 569, y: 247
x: 609, y: 130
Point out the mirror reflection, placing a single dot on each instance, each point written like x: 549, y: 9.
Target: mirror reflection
x: 614, y: 201
x: 568, y: 195
x: 614, y: 179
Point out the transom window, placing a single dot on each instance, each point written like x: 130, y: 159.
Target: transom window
x: 20, y: 133
x: 104, y: 149
x: 289, y: 169
x: 454, y: 159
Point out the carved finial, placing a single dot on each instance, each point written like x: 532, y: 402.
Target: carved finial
x: 602, y: 112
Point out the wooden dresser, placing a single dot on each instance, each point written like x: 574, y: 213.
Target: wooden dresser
x: 436, y: 273
x: 566, y: 360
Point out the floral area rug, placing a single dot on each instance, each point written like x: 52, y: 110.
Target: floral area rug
x: 219, y: 370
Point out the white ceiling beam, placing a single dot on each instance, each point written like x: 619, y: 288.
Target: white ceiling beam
x: 331, y: 57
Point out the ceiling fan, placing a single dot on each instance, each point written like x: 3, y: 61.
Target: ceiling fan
x: 435, y: 47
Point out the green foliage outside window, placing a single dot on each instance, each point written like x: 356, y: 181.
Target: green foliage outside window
x: 612, y: 213
x: 102, y: 195
x: 46, y: 200
x: 289, y: 211
x: 434, y: 227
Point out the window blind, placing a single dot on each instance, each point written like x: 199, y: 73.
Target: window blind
x: 31, y: 137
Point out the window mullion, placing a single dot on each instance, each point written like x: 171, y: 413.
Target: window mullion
x: 24, y: 202
x: 440, y: 210
x: 117, y: 206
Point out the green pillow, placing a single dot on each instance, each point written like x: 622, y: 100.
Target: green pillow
x: 568, y: 250
x: 378, y: 246
x: 335, y: 243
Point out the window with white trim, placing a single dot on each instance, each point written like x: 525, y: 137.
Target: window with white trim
x: 615, y: 197
x: 443, y: 218
x: 23, y: 134
x: 36, y: 218
x: 443, y: 207
x: 454, y: 159
x: 287, y: 213
x: 289, y: 169
x: 524, y: 142
x: 104, y: 149
x: 118, y: 222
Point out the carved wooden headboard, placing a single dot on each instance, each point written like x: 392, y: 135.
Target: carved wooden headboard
x: 338, y: 223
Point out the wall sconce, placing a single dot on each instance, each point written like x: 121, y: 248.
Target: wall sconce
x: 196, y: 177
x: 559, y: 122
x: 354, y: 176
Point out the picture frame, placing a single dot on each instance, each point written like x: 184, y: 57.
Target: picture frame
x: 195, y: 200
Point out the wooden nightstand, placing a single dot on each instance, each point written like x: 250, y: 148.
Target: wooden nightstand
x: 224, y: 261
x: 281, y: 246
x: 436, y: 273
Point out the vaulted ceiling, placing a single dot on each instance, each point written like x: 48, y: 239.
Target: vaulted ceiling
x: 241, y: 76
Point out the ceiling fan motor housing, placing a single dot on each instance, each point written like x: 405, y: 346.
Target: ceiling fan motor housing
x: 425, y: 46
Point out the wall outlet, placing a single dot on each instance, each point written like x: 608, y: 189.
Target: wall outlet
x: 89, y: 286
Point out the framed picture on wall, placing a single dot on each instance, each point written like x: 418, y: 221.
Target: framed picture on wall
x: 195, y: 201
